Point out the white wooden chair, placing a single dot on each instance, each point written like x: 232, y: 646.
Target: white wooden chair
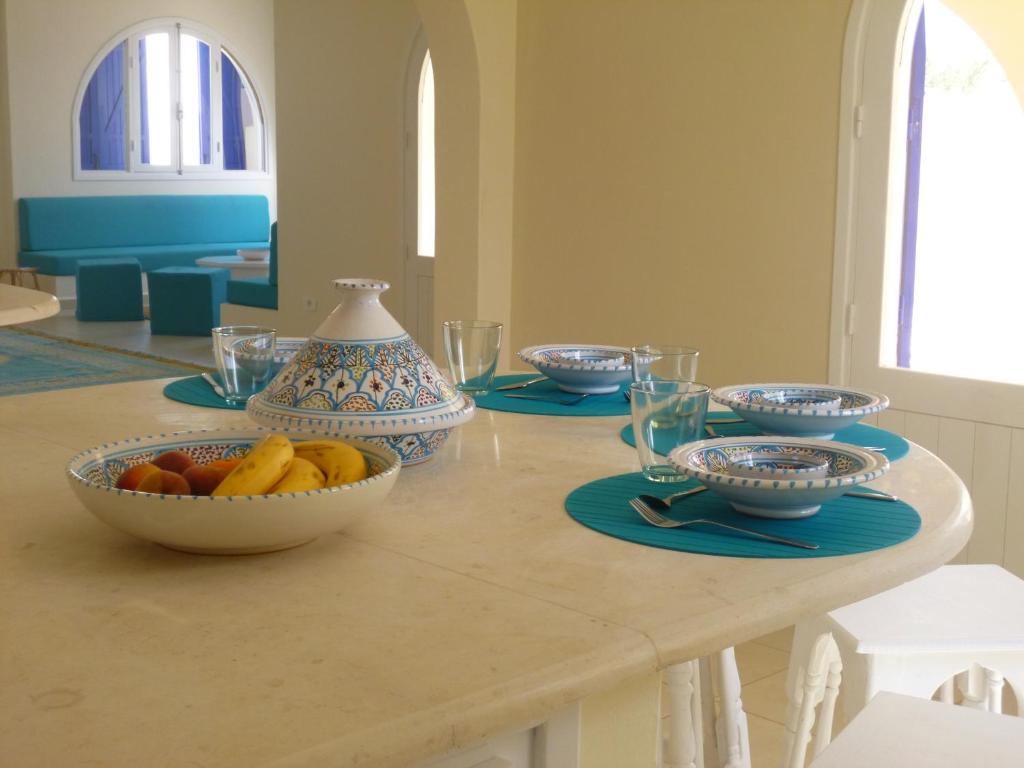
x: 961, y: 626
x: 898, y: 730
x: 707, y: 727
x: 816, y: 689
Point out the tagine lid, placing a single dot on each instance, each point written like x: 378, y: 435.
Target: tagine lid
x: 362, y: 373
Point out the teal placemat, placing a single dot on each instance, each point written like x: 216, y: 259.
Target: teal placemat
x: 195, y: 391
x: 845, y: 526
x: 863, y: 435
x: 595, y: 405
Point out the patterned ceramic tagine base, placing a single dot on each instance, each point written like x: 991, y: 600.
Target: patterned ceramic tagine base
x: 361, y: 375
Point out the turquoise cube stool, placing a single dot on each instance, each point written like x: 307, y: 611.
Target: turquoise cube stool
x: 185, y: 301
x: 108, y: 289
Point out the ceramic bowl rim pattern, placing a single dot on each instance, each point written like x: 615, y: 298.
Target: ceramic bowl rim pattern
x: 725, y: 396
x: 82, y: 459
x: 532, y: 356
x: 874, y: 464
x: 362, y: 426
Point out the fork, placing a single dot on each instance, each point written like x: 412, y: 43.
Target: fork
x: 661, y: 521
x: 546, y: 399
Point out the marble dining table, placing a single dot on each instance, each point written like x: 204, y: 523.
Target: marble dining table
x: 466, y: 606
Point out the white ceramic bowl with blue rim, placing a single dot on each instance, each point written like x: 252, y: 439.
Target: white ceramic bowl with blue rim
x: 801, y: 410
x: 784, y: 494
x: 222, y: 524
x: 590, y: 369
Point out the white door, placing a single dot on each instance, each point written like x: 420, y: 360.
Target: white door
x: 418, y: 303
x: 930, y: 249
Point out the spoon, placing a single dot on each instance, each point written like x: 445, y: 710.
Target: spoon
x: 650, y: 508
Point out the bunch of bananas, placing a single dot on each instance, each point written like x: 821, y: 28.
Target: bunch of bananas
x: 276, y: 465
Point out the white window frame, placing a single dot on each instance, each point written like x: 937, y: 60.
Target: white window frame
x: 136, y: 170
x: 869, y: 226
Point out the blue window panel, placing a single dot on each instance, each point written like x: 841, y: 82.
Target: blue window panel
x: 908, y: 264
x: 204, y: 103
x: 232, y: 87
x: 144, y: 104
x: 101, y: 120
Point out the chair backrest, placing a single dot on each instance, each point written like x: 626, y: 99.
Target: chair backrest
x: 817, y: 684
x: 60, y: 223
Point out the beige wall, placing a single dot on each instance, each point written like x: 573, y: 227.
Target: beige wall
x: 494, y: 31
x: 340, y: 134
x: 675, y: 178
x: 50, y: 45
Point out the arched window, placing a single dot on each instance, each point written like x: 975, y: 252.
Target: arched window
x: 167, y: 97
x: 425, y: 159
x: 420, y: 196
x: 928, y: 245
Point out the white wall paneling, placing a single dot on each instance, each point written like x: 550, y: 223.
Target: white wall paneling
x: 989, y: 459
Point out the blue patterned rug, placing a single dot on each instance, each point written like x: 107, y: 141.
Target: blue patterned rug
x: 32, y: 362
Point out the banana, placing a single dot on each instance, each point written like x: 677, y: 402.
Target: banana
x: 340, y: 462
x: 266, y: 463
x: 302, y: 475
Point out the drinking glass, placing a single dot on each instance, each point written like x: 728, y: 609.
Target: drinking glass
x: 664, y: 361
x: 666, y: 414
x: 471, y: 347
x: 245, y: 359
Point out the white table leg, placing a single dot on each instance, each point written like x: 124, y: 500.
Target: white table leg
x: 681, y: 749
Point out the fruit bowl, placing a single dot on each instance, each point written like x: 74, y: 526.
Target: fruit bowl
x: 784, y: 490
x: 582, y: 368
x: 222, y: 524
x: 801, y: 410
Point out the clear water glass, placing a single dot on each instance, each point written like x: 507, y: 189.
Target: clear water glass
x: 664, y: 361
x: 245, y: 359
x: 472, y: 347
x: 666, y: 414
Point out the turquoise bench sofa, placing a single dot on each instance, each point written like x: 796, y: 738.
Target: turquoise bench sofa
x: 257, y: 291
x: 158, y: 230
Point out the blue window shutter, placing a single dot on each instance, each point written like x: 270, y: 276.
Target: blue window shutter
x: 231, y: 116
x: 143, y: 104
x: 908, y: 263
x: 101, y: 119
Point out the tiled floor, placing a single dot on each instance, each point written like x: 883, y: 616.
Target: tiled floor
x: 763, y: 664
x: 133, y: 336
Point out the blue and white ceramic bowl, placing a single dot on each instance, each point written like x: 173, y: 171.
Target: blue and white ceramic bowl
x: 222, y: 524
x: 582, y: 368
x: 782, y: 494
x: 801, y: 410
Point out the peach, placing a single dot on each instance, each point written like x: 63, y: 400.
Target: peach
x: 164, y: 482
x: 131, y: 477
x: 228, y: 464
x: 174, y: 461
x: 203, y: 478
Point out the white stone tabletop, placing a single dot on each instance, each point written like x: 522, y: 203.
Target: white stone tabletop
x: 467, y: 605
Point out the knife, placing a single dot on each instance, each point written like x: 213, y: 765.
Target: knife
x: 520, y: 384
x: 213, y: 384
